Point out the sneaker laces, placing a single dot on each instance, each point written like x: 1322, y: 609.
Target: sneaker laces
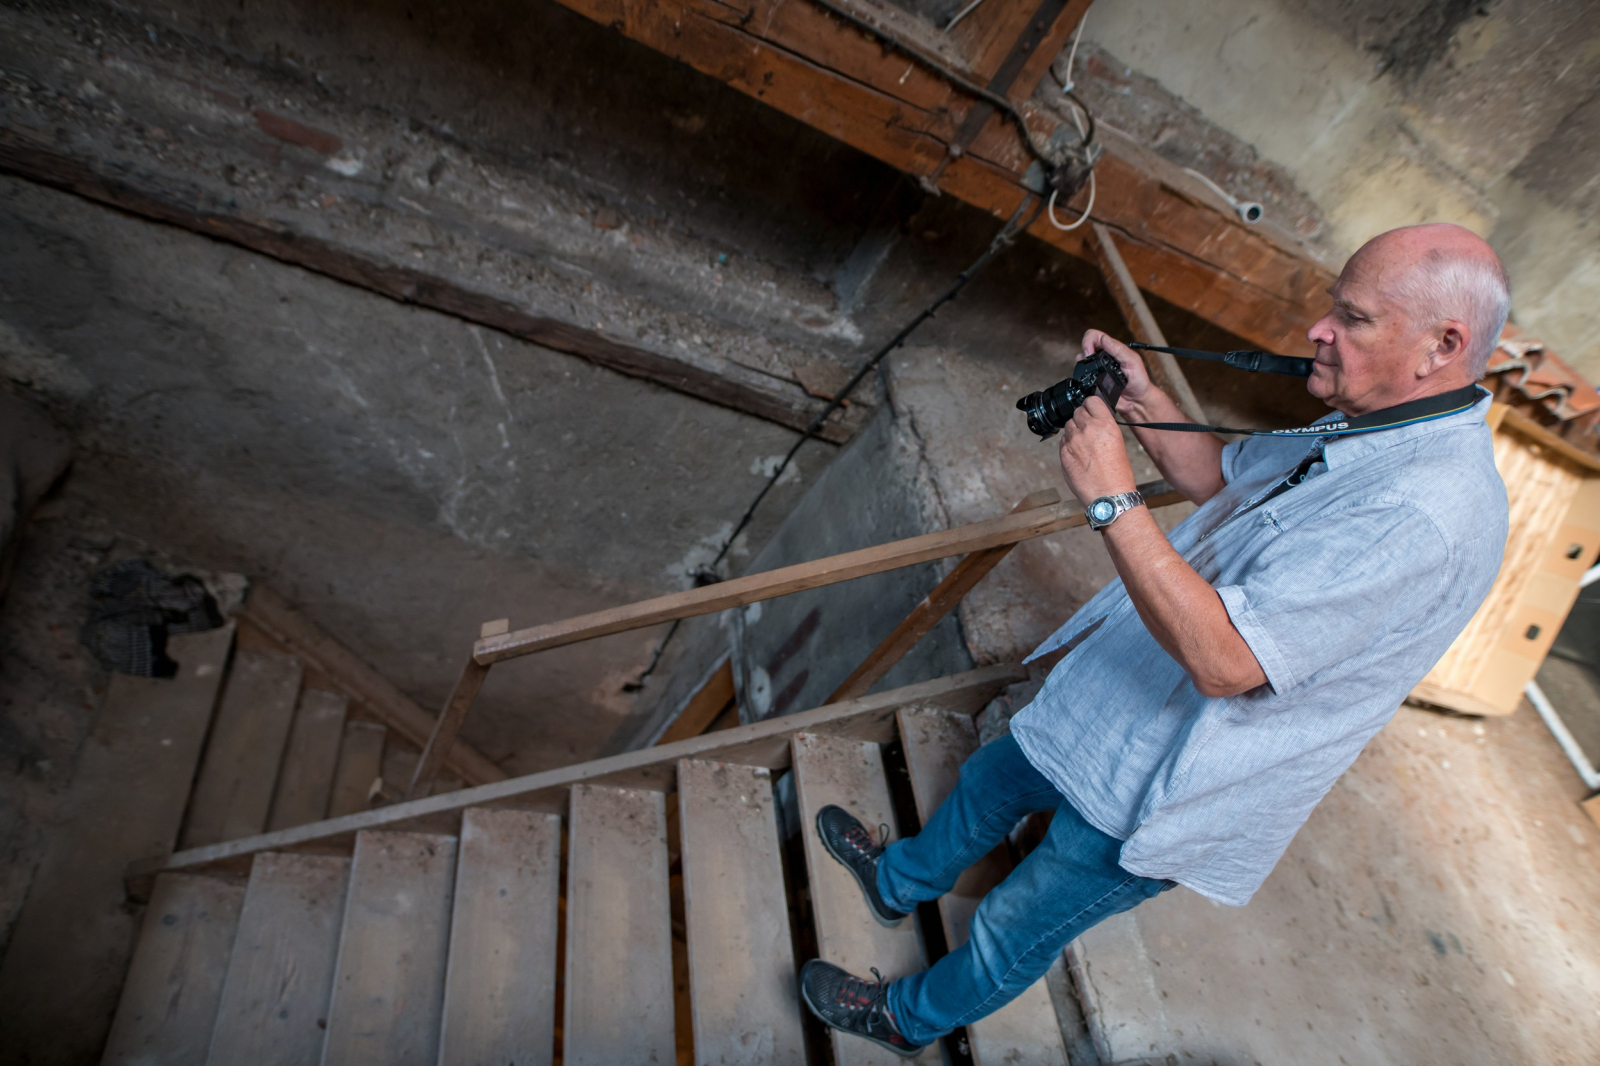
x: 865, y: 1000
x: 858, y: 837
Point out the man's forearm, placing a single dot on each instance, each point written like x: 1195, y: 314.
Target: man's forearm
x: 1180, y: 608
x: 1191, y: 462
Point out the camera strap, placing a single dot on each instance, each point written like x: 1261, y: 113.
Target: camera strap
x: 1409, y: 413
x: 1257, y: 362
x: 1425, y: 409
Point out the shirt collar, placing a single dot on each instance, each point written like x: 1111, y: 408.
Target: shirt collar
x: 1342, y: 450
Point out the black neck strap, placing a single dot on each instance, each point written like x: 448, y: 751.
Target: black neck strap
x: 1259, y: 362
x: 1426, y: 409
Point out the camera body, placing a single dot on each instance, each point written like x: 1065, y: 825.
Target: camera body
x: 1050, y: 409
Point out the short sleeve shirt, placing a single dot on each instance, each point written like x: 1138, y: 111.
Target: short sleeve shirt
x: 1348, y: 588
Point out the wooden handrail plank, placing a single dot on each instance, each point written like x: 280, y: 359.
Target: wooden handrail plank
x: 934, y: 606
x: 760, y: 744
x: 445, y: 730
x: 992, y: 533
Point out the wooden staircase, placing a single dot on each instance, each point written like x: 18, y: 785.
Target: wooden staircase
x: 533, y: 920
x: 651, y: 907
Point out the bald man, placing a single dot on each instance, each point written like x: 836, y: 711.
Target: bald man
x: 1213, y: 693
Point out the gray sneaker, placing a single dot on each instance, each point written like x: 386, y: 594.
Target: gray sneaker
x: 852, y: 1005
x: 849, y: 841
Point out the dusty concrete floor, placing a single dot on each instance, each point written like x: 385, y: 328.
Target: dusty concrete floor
x: 1442, y: 906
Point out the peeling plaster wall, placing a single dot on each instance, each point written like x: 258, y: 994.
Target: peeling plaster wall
x: 1387, y: 114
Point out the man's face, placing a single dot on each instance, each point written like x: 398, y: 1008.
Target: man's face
x: 1368, y: 350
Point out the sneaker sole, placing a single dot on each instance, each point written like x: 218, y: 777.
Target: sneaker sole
x: 887, y: 923
x: 905, y: 1053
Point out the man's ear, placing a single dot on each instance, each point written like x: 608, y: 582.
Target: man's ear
x: 1449, y: 348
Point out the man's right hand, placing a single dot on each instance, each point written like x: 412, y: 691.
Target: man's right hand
x: 1191, y: 462
x: 1139, y: 385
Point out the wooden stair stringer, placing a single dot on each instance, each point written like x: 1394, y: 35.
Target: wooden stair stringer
x: 763, y: 743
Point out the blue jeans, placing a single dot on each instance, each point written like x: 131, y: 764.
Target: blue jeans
x: 1065, y: 885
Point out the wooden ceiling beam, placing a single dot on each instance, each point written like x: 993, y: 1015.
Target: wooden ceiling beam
x: 989, y: 34
x: 1179, y: 242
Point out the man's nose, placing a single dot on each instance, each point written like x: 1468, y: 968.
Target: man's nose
x: 1321, y: 332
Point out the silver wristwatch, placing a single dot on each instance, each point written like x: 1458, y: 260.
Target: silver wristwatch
x: 1107, y: 509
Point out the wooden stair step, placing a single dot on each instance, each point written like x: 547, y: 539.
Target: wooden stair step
x: 619, y: 993
x: 388, y: 984
x: 310, y: 760
x: 70, y: 943
x: 850, y: 773
x: 1026, y: 1029
x: 174, y: 983
x: 744, y: 993
x: 234, y: 791
x: 500, y: 988
x: 360, y: 763
x: 274, y: 1009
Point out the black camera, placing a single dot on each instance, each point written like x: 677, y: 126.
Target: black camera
x: 1051, y: 409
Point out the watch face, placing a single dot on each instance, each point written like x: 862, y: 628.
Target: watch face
x: 1103, y: 510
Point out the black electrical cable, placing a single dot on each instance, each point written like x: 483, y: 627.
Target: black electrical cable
x: 1001, y: 241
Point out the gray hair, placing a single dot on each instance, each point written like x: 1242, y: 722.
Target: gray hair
x: 1473, y: 289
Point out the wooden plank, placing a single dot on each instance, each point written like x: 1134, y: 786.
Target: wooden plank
x: 931, y: 611
x: 704, y: 706
x: 310, y: 761
x: 174, y: 984
x: 1486, y: 667
x: 744, y: 995
x: 233, y: 794
x: 990, y: 33
x: 500, y: 984
x: 1162, y: 367
x: 991, y: 533
x: 759, y: 744
x: 1514, y: 419
x: 360, y: 764
x: 1012, y: 33
x: 127, y: 189
x: 850, y: 774
x: 1026, y: 1029
x: 274, y: 1005
x: 70, y: 942
x: 289, y: 626
x: 619, y: 930
x: 443, y: 738
x: 1258, y: 282
x: 388, y: 983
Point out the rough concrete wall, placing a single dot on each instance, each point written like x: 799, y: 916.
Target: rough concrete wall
x: 1389, y: 114
x: 796, y: 650
x: 402, y: 474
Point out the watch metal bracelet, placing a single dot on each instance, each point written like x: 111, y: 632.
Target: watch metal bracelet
x: 1107, y: 509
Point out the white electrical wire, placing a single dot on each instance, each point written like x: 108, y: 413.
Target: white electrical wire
x: 1072, y: 55
x: 1050, y: 209
x: 1050, y: 206
x: 969, y: 9
x: 1248, y: 211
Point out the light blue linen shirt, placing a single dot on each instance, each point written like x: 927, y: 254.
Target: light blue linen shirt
x: 1347, y: 587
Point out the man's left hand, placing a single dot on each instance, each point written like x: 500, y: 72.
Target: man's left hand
x: 1093, y: 457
